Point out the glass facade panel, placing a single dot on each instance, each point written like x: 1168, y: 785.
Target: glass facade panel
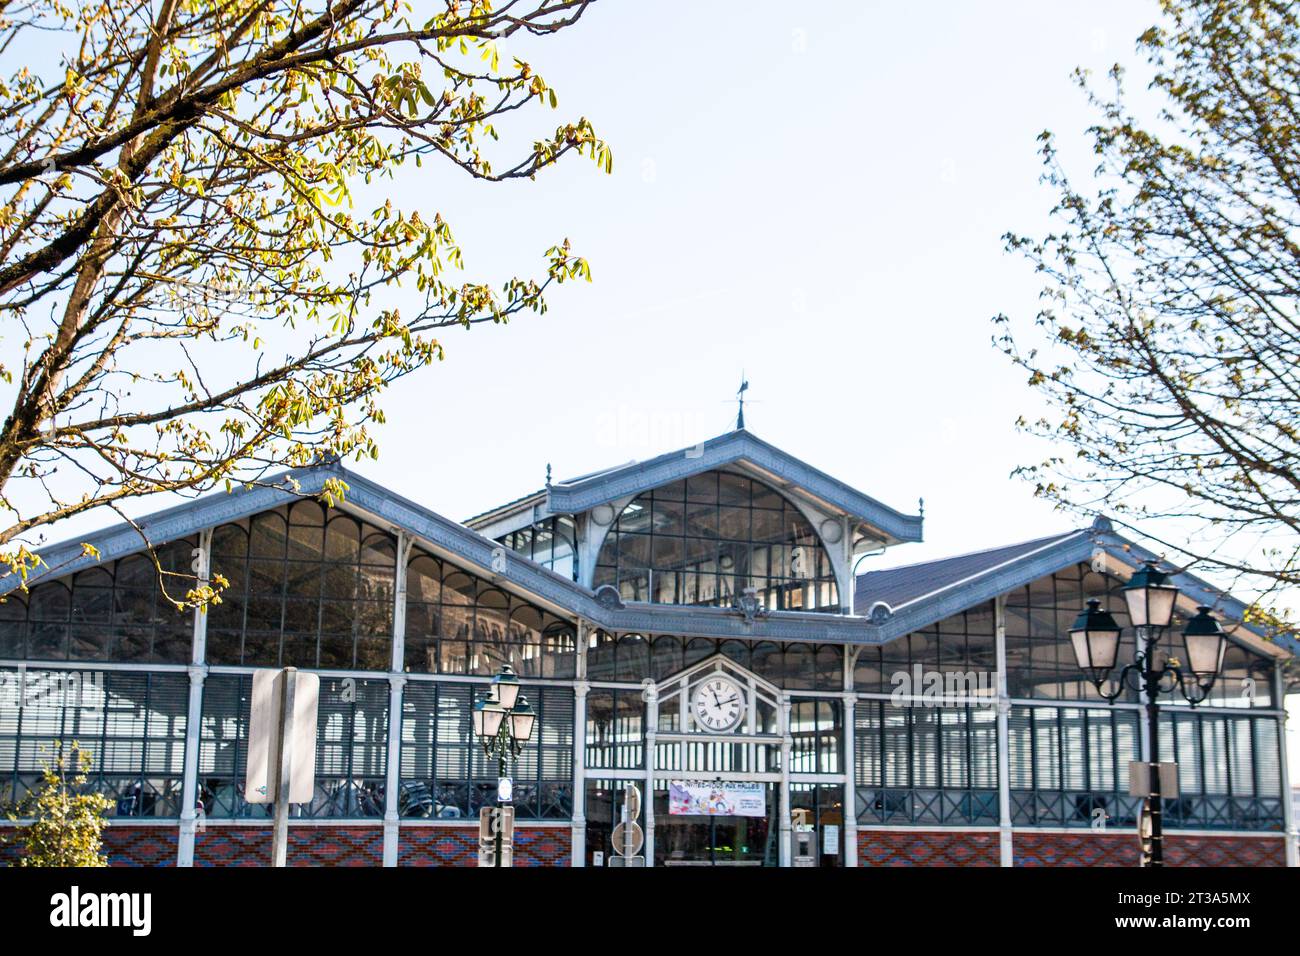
x: 925, y: 765
x: 131, y: 724
x: 123, y: 611
x: 447, y: 775
x: 815, y: 735
x: 1069, y: 766
x: 1228, y: 770
x: 458, y: 623
x: 550, y: 543
x: 309, y: 587
x: 351, y: 748
x: 631, y: 658
x: 1040, y: 660
x: 615, y: 729
x: 961, y: 650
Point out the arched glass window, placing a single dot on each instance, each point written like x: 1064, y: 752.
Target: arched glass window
x: 121, y: 611
x: 309, y: 587
x: 459, y: 623
x: 704, y: 540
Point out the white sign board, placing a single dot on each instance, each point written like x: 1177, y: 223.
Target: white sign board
x: 1139, y: 779
x: 831, y: 839
x: 627, y: 839
x: 714, y: 798
x: 264, y: 732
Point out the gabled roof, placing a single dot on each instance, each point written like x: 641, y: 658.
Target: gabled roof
x: 739, y: 448
x: 905, y: 599
x: 900, y: 586
x: 923, y: 593
x: 371, y: 500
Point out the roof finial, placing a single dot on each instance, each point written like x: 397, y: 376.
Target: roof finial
x: 548, y: 474
x: 740, y: 394
x: 920, y: 505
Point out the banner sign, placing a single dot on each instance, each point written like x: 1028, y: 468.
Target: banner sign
x: 713, y: 798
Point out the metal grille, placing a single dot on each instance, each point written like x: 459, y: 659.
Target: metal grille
x: 925, y: 765
x: 1069, y: 766
x: 131, y: 724
x: 351, y: 749
x: 447, y: 775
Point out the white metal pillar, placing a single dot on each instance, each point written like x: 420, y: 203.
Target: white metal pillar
x: 651, y: 697
x: 1288, y: 804
x: 393, y: 770
x: 783, y: 849
x: 191, y: 819
x: 579, y: 840
x: 396, y: 688
x: 850, y: 787
x: 849, y: 763
x: 1006, y: 850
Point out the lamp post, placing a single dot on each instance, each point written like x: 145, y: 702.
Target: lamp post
x: 503, y: 723
x: 1095, y: 638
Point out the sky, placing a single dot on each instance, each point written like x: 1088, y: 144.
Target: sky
x: 811, y: 196
x: 816, y: 204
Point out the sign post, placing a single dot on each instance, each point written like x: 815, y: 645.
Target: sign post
x: 628, y: 837
x: 282, y: 747
x: 1143, y: 778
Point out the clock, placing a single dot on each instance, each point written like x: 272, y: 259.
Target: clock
x: 718, y: 703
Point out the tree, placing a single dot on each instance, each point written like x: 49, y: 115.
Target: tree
x: 68, y: 824
x: 1168, y: 347
x: 200, y: 263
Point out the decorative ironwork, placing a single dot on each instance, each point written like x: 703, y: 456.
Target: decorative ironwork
x: 749, y: 605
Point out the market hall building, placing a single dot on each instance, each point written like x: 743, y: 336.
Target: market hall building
x: 928, y: 714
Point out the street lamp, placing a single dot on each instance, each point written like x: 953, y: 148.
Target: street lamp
x: 503, y: 723
x: 1095, y: 638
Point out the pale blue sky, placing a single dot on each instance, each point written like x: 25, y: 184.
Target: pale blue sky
x: 817, y: 201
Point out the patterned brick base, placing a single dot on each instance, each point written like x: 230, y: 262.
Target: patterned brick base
x: 437, y: 846
x: 1121, y: 849
x: 543, y: 846
x: 458, y: 846
x: 128, y: 845
x: 125, y: 845
x: 927, y: 848
x: 1086, y: 848
x: 308, y: 846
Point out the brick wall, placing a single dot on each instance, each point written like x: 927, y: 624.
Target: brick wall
x: 125, y: 845
x: 1121, y: 849
x: 325, y: 845
x: 1084, y: 848
x: 927, y: 848
x: 308, y: 846
x: 458, y: 846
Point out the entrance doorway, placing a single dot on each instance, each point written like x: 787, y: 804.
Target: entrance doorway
x: 824, y: 804
x: 689, y: 840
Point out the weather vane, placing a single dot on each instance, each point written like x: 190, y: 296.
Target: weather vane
x: 740, y: 395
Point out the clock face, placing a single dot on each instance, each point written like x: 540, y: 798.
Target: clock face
x: 718, y: 704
